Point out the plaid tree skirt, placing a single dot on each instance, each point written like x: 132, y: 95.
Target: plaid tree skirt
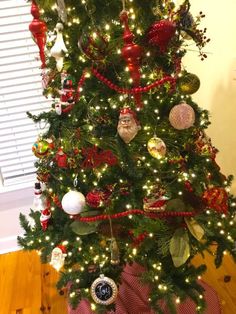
x: 132, y: 298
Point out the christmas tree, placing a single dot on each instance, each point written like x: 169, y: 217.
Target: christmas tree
x: 125, y: 171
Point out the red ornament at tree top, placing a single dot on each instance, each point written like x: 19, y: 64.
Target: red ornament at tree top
x: 132, y: 54
x: 38, y: 29
x: 160, y: 33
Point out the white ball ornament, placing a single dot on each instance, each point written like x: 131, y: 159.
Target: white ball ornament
x: 182, y: 116
x: 73, y: 202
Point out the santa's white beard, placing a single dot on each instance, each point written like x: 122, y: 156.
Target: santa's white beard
x: 127, y: 133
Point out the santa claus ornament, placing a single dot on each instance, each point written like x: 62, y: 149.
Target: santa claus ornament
x: 58, y: 257
x: 61, y: 159
x: 128, y: 125
x: 68, y: 92
x: 44, y: 218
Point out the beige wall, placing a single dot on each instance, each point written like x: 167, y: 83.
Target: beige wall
x: 218, y: 77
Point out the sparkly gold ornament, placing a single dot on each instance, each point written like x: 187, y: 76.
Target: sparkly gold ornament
x: 188, y: 84
x: 156, y: 147
x: 104, y: 290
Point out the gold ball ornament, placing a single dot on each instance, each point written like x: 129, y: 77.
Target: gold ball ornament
x: 41, y: 148
x: 104, y: 290
x: 188, y: 84
x: 182, y: 116
x: 156, y: 147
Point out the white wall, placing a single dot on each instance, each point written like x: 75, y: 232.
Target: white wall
x: 218, y: 78
x: 217, y: 94
x: 11, y: 204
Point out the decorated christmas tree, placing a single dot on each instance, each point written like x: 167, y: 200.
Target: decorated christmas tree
x: 126, y: 174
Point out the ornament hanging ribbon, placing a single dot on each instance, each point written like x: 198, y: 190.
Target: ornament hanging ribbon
x: 61, y: 8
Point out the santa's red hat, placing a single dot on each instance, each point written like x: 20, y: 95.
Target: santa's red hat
x: 128, y: 110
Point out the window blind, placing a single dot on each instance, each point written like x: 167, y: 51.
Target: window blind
x: 20, y: 91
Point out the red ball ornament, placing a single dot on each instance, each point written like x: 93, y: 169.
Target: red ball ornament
x: 160, y: 33
x: 94, y: 198
x: 38, y: 29
x: 182, y: 116
x: 216, y: 198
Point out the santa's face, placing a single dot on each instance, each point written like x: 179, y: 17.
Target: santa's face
x: 127, y: 127
x: 57, y: 258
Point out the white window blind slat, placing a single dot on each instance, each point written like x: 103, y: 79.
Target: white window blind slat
x: 12, y: 52
x: 20, y: 91
x: 19, y: 66
x: 19, y: 75
x: 30, y: 101
x: 14, y: 35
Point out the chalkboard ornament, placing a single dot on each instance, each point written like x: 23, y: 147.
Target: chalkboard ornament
x: 104, y: 290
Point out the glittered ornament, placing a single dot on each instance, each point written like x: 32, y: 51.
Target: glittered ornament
x: 38, y: 29
x: 73, y: 202
x: 93, y: 45
x: 94, y: 198
x: 104, y: 290
x: 41, y: 148
x: 160, y: 33
x: 182, y: 116
x: 216, y: 198
x: 188, y: 83
x: 156, y: 147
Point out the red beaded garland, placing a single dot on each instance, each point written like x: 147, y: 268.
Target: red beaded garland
x: 134, y: 90
x: 135, y: 212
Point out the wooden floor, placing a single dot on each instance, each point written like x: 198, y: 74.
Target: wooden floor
x: 27, y: 287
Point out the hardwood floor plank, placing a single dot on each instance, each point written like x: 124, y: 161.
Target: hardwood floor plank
x: 20, y: 285
x: 28, y: 287
x: 225, y: 288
